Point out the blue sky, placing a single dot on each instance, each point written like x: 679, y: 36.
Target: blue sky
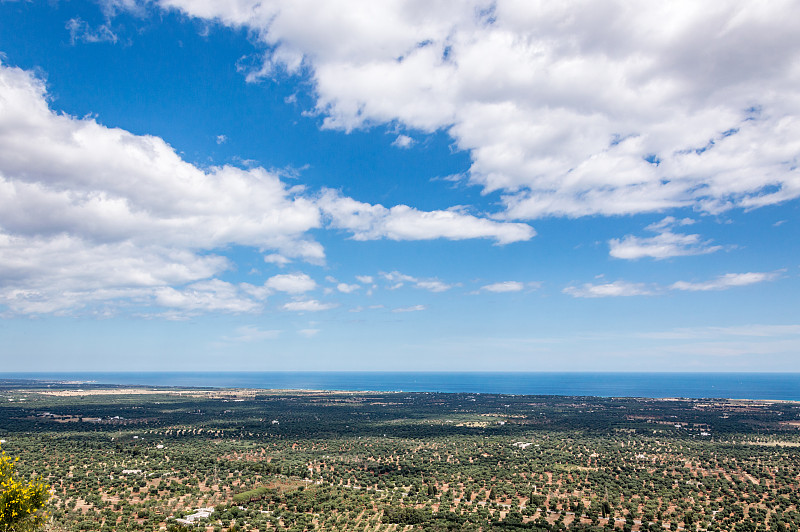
x: 399, y: 186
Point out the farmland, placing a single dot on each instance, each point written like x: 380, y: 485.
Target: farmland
x: 149, y: 459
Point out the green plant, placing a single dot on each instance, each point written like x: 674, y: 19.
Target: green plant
x: 21, y: 503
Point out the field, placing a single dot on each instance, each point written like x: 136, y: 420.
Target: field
x: 149, y: 459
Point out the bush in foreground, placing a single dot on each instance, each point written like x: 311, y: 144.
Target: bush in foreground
x: 21, y: 503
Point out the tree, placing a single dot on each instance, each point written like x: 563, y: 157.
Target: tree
x: 21, y: 502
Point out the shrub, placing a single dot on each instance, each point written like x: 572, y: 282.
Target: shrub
x: 21, y: 502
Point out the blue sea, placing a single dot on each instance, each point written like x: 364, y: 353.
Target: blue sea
x: 774, y: 386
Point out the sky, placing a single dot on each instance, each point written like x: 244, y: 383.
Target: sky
x: 399, y: 185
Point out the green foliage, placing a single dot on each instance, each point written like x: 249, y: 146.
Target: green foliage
x: 253, y: 495
x: 392, y: 462
x: 404, y: 516
x: 21, y: 502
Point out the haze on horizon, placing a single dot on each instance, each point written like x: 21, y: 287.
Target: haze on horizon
x: 293, y: 185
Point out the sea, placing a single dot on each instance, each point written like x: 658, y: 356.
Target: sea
x: 767, y: 386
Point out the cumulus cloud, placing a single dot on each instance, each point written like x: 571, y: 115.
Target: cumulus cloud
x: 94, y: 215
x: 505, y: 286
x: 90, y: 212
x: 44, y: 274
x: 615, y: 289
x: 403, y: 141
x: 401, y: 222
x: 308, y: 305
x: 664, y: 245
x: 366, y: 279
x: 397, y: 280
x: 292, y: 283
x: 567, y: 108
x: 661, y: 246
x: 414, y: 308
x: 434, y: 286
x: 729, y: 280
x: 347, y: 288
x: 277, y: 258
x: 205, y: 296
x: 624, y: 288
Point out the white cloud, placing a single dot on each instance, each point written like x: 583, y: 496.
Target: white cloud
x: 308, y: 333
x: 80, y: 31
x: 292, y: 283
x: 664, y: 245
x: 205, y: 296
x: 309, y: 305
x: 276, y: 258
x: 569, y: 108
x: 92, y: 215
x: 55, y: 274
x: 347, y: 288
x: 668, y: 222
x: 624, y: 288
x: 414, y: 308
x: 398, y: 280
x: 729, y: 280
x: 403, y: 141
x: 112, y: 7
x: 222, y: 139
x: 372, y: 222
x: 505, y: 286
x: 366, y: 279
x: 615, y: 289
x: 434, y: 286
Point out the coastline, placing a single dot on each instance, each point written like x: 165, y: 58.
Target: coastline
x: 729, y: 386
